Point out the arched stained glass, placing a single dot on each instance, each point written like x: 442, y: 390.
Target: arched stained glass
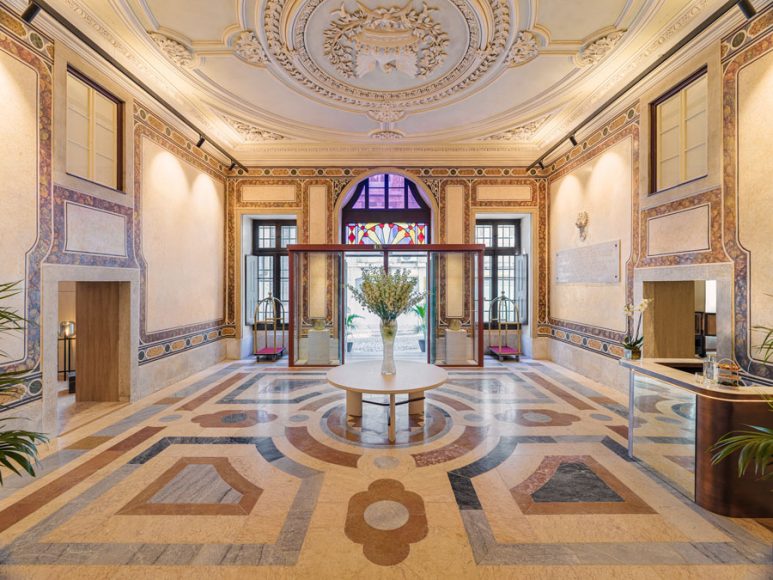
x: 383, y: 234
x: 386, y: 209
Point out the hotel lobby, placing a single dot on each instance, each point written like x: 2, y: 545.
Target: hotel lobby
x: 386, y: 289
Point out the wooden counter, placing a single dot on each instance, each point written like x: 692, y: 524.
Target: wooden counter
x: 703, y: 415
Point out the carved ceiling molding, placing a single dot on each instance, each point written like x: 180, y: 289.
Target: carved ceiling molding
x: 250, y: 133
x: 288, y: 49
x: 386, y: 115
x: 391, y: 38
x: 521, y: 133
x: 248, y: 48
x: 594, y: 51
x: 523, y: 49
x: 173, y: 50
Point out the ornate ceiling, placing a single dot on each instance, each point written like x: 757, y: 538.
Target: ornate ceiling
x: 327, y: 80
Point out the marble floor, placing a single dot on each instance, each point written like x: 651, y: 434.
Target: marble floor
x: 245, y: 470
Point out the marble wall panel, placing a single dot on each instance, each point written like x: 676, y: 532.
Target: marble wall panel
x: 688, y: 230
x: 94, y: 231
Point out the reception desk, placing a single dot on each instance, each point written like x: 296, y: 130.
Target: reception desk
x: 674, y: 421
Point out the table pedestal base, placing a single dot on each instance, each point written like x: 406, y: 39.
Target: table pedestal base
x: 415, y: 407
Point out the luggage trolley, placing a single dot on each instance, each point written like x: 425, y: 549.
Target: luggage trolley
x: 270, y: 313
x: 500, y: 309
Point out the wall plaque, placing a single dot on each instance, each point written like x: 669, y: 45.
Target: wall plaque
x: 596, y: 264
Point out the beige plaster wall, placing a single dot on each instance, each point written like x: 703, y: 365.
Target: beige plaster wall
x: 183, y: 216
x: 18, y: 183
x: 602, y: 187
x: 755, y: 189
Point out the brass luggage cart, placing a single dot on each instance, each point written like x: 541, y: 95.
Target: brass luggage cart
x: 504, y: 320
x: 270, y: 314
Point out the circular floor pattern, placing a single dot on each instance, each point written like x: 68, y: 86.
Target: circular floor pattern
x: 474, y: 417
x: 298, y: 418
x: 386, y: 515
x: 370, y: 430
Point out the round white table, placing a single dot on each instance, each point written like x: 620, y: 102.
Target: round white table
x: 411, y: 378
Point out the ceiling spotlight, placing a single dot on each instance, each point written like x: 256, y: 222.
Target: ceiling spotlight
x: 746, y: 7
x: 573, y: 141
x: 541, y: 165
x: 233, y: 166
x: 201, y: 140
x: 31, y: 11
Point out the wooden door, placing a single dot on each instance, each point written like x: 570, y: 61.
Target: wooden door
x: 97, y: 307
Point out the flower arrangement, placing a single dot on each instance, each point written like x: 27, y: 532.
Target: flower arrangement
x: 633, y: 343
x: 387, y: 294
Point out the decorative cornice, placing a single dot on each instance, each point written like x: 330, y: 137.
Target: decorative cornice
x: 248, y: 48
x: 250, y: 133
x: 175, y: 51
x: 521, y: 133
x: 594, y: 51
x: 523, y: 49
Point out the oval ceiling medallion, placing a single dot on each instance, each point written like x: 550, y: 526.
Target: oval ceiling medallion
x: 398, y: 54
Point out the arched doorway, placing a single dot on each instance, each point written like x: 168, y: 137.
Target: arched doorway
x: 386, y: 208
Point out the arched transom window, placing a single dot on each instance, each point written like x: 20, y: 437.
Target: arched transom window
x: 386, y: 209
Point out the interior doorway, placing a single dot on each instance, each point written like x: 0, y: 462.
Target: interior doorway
x: 93, y: 351
x: 363, y: 335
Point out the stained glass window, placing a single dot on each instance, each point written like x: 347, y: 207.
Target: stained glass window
x: 384, y: 234
x: 386, y: 208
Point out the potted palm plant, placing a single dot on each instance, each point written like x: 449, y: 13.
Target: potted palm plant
x: 755, y: 444
x: 420, y: 310
x: 351, y: 322
x: 18, y: 448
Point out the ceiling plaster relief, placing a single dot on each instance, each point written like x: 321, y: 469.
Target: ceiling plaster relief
x: 250, y: 133
x: 597, y: 49
x: 390, y: 38
x: 523, y: 49
x: 522, y: 133
x: 175, y: 51
x: 436, y: 92
x: 485, y: 40
x: 248, y: 48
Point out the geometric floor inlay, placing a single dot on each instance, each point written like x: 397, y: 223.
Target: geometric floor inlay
x: 516, y: 470
x: 196, y: 486
x: 575, y: 484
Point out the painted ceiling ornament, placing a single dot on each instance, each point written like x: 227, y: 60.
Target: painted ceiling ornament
x: 394, y: 38
x: 521, y: 133
x: 175, y: 51
x: 523, y: 49
x: 248, y: 48
x: 252, y: 134
x: 582, y: 225
x: 597, y: 49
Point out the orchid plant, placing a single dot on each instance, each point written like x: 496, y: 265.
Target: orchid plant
x: 635, y: 341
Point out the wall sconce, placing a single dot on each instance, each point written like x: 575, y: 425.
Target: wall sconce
x: 582, y: 225
x: 66, y: 329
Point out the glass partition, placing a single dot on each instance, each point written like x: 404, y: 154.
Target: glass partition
x: 317, y: 333
x: 663, y: 430
x: 328, y: 327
